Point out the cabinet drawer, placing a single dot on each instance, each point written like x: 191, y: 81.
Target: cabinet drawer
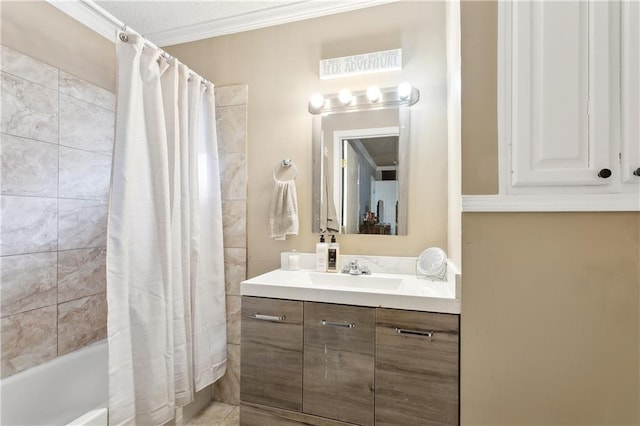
x: 271, y: 356
x: 417, y: 368
x: 339, y: 327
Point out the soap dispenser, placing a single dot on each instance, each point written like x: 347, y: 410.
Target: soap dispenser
x: 321, y: 255
x: 333, y: 254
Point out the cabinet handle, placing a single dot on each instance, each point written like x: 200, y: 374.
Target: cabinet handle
x: 415, y: 332
x: 636, y: 172
x: 604, y: 173
x: 262, y: 317
x: 343, y: 324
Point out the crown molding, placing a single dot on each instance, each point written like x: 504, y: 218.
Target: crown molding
x: 551, y: 203
x: 275, y: 15
x: 87, y: 13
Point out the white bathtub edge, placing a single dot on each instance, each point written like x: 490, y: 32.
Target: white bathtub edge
x: 97, y: 417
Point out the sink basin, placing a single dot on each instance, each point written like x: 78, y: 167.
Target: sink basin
x: 400, y: 291
x: 372, y: 282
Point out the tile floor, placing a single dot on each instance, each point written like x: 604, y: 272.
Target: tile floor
x: 217, y: 414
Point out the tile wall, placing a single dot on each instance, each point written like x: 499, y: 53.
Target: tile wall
x: 55, y: 150
x: 231, y: 120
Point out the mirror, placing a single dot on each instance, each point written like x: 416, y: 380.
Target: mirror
x: 360, y: 171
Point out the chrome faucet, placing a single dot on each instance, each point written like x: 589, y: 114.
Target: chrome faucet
x: 354, y: 268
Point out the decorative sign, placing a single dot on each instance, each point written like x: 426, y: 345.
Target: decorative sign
x: 387, y: 60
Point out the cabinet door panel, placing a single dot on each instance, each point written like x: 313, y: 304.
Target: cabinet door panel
x: 260, y: 415
x: 339, y: 384
x: 630, y: 93
x: 271, y: 356
x: 417, y: 374
x: 339, y: 349
x: 560, y: 121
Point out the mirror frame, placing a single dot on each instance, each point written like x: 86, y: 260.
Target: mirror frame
x: 404, y: 140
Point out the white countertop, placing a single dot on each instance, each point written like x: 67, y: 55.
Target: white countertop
x: 399, y: 291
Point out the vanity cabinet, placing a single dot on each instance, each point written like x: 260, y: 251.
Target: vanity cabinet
x: 339, y: 348
x: 271, y: 355
x: 417, y: 368
x: 323, y: 364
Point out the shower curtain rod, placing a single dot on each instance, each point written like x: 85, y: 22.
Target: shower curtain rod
x: 123, y: 28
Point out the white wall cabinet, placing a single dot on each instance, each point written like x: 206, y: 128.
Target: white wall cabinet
x: 569, y: 98
x: 630, y: 91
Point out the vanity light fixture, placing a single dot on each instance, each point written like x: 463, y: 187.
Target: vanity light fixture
x: 404, y: 90
x: 345, y: 96
x: 317, y: 101
x: 373, y: 93
x: 364, y: 100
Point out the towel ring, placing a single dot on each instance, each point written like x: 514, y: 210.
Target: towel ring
x: 285, y: 164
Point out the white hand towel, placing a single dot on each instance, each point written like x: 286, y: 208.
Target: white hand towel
x: 283, y: 213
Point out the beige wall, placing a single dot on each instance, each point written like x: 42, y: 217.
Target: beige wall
x: 38, y: 29
x: 280, y: 65
x: 550, y: 301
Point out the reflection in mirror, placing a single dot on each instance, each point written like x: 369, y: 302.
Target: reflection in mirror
x: 360, y: 171
x: 369, y: 196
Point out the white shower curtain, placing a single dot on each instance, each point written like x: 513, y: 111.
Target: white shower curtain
x: 165, y: 265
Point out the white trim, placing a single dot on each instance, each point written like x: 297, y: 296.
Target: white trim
x: 503, y: 95
x: 85, y: 12
x: 551, y: 203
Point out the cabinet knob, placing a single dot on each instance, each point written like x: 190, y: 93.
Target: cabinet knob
x: 636, y: 172
x: 604, y: 173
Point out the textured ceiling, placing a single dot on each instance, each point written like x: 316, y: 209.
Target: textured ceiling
x: 179, y: 21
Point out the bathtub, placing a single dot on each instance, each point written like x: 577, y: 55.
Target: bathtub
x: 69, y: 390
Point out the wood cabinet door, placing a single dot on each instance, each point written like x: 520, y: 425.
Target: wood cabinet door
x: 417, y: 368
x: 271, y: 355
x: 339, y: 362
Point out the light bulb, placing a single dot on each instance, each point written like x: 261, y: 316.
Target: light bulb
x: 345, y: 96
x: 317, y: 101
x: 404, y: 90
x: 373, y: 93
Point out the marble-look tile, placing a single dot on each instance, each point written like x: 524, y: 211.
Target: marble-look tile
x: 23, y: 66
x: 233, y: 176
x: 29, y: 109
x: 214, y: 414
x: 27, y: 282
x: 28, y: 224
x: 28, y: 339
x: 231, y: 126
x: 81, y: 273
x: 235, y: 269
x: 81, y: 322
x: 234, y: 222
x: 83, y: 174
x: 233, y: 319
x: 82, y: 224
x: 227, y: 389
x: 81, y: 89
x: 232, y: 95
x: 28, y: 167
x: 233, y: 419
x: 86, y: 126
